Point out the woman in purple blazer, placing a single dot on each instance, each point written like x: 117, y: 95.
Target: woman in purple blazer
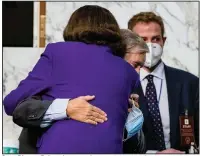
x: 89, y: 62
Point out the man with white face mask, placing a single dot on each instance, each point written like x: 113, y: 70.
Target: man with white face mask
x: 168, y: 91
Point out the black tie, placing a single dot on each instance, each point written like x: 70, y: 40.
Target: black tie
x: 154, y: 112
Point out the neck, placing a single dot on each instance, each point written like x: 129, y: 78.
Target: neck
x: 150, y: 70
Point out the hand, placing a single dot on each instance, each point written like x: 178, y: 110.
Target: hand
x: 135, y: 98
x: 170, y: 151
x: 79, y: 109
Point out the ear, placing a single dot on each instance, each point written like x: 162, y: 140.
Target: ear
x: 164, y: 39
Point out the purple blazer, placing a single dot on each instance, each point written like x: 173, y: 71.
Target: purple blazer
x: 72, y: 69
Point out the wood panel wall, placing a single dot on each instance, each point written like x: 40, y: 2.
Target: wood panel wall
x: 42, y: 25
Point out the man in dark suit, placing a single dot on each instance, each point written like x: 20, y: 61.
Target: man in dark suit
x: 168, y: 91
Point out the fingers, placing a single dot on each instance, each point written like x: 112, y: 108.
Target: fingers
x: 137, y: 104
x: 90, y: 113
x: 97, y: 110
x: 98, y: 116
x: 96, y: 119
x: 135, y: 97
x: 91, y: 122
x: 131, y: 102
x: 129, y: 110
x: 88, y: 97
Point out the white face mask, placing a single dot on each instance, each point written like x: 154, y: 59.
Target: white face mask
x: 154, y: 54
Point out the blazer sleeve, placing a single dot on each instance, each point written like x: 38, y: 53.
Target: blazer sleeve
x: 38, y: 80
x: 30, y: 112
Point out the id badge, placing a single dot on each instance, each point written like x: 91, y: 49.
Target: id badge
x: 186, y: 130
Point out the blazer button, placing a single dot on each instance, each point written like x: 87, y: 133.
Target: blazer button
x: 32, y: 116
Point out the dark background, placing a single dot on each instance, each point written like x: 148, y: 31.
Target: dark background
x: 17, y: 23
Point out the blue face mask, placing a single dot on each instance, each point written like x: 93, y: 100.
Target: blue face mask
x: 134, y: 122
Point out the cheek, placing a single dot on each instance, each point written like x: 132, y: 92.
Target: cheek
x: 142, y: 58
x: 129, y: 58
x: 163, y: 40
x: 137, y: 69
x: 126, y: 58
x: 161, y: 43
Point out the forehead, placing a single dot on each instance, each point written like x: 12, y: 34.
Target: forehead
x: 135, y: 56
x: 140, y: 50
x: 147, y: 29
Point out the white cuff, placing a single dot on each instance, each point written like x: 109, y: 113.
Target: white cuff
x: 57, y: 110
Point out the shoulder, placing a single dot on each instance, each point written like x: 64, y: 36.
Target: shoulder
x: 180, y: 75
x: 134, y: 76
x: 54, y: 49
x: 126, y: 65
x: 69, y: 45
x: 55, y: 45
x: 125, y: 68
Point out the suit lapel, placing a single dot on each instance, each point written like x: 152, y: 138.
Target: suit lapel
x: 143, y: 106
x: 173, y: 90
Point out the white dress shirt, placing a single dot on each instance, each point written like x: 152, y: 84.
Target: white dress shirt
x: 162, y: 97
x: 56, y: 111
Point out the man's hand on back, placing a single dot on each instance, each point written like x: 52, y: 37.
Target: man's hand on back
x: 81, y: 110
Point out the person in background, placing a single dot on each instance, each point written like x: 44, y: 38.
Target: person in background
x: 136, y: 49
x: 91, y: 42
x: 42, y: 113
x: 168, y: 91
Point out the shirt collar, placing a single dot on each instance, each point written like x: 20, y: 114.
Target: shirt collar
x: 158, y: 72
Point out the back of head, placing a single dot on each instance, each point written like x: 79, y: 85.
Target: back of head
x: 146, y: 17
x: 93, y: 24
x: 132, y: 40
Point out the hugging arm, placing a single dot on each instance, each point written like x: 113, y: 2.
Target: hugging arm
x: 35, y: 113
x: 38, y: 80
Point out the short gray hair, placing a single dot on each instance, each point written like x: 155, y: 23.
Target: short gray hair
x: 132, y: 40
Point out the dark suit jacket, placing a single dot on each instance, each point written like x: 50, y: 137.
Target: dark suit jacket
x: 29, y: 114
x: 183, y: 93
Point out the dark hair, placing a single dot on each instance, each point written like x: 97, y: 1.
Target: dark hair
x: 146, y: 17
x: 93, y: 24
